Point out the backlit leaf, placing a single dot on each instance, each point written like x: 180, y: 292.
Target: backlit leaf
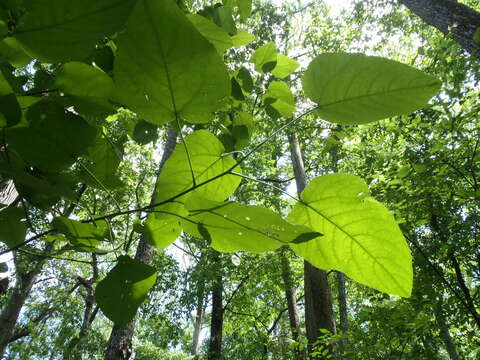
x: 12, y: 228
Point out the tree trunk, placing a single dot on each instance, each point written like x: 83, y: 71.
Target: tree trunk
x: 451, y: 18
x: 342, y: 307
x: 216, y: 326
x: 73, y: 350
x: 444, y: 332
x: 11, y: 311
x: 318, y: 298
x: 290, y: 295
x: 198, y: 317
x: 120, y: 341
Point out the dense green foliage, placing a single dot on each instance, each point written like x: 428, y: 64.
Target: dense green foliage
x: 87, y: 89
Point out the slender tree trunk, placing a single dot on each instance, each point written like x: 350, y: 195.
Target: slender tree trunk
x: 120, y: 342
x: 318, y: 298
x: 73, y: 350
x: 342, y: 295
x: 11, y: 311
x: 290, y: 295
x: 444, y: 332
x: 343, y: 310
x: 216, y: 326
x: 451, y: 18
x: 198, y: 317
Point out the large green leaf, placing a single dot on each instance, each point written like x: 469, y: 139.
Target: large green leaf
x: 124, y: 289
x: 205, y: 157
x: 12, y: 228
x: 285, y: 66
x: 233, y: 227
x: 59, y: 30
x: 357, y: 89
x: 361, y: 237
x: 165, y: 69
x: 53, y: 138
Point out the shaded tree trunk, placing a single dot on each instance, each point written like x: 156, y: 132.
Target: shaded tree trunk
x: 120, y: 342
x: 216, y: 326
x: 444, y: 332
x: 290, y: 295
x: 198, y: 317
x: 318, y: 298
x: 451, y: 18
x: 343, y: 310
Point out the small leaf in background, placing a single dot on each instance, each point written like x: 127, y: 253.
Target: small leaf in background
x: 236, y: 227
x: 285, y: 66
x: 60, y: 35
x: 245, y: 79
x: 83, y: 236
x: 124, y: 289
x: 357, y: 89
x: 145, y: 132
x: 12, y: 228
x: 279, y: 100
x: 242, y: 38
x: 245, y: 8
x: 151, y: 75
x: 265, y: 58
x: 212, y: 32
x: 361, y: 237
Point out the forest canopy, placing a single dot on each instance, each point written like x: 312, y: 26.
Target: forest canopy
x: 238, y: 179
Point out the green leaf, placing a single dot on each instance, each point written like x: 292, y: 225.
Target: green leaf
x: 144, y: 132
x: 161, y: 230
x: 279, y: 100
x: 12, y: 228
x: 124, y: 289
x: 82, y: 235
x: 205, y: 156
x: 76, y: 78
x: 265, y: 58
x: 285, y: 66
x: 212, y: 32
x: 245, y: 79
x: 61, y: 136
x: 12, y: 52
x: 237, y: 92
x: 245, y: 8
x: 10, y: 113
x: 101, y: 171
x: 476, y: 35
x: 235, y: 227
x: 357, y: 89
x: 361, y: 237
x: 60, y: 31
x: 242, y: 129
x: 152, y: 74
x: 242, y: 38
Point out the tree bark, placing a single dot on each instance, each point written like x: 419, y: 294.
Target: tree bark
x: 318, y: 298
x: 73, y: 350
x: 444, y: 332
x: 451, y: 18
x: 120, y: 341
x: 343, y: 310
x: 290, y: 295
x: 198, y: 317
x: 216, y: 325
